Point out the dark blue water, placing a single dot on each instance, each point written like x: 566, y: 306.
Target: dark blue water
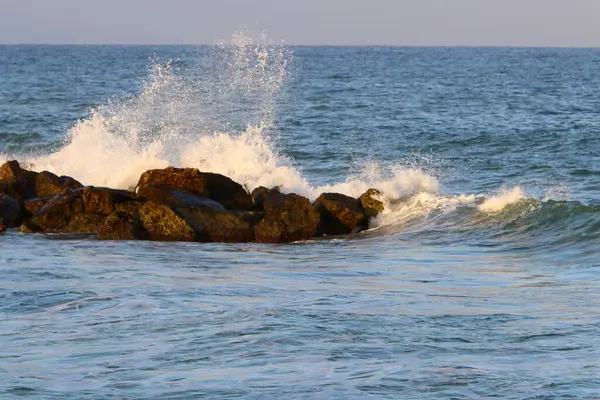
x: 481, y: 279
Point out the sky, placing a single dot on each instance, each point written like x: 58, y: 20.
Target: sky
x: 561, y: 23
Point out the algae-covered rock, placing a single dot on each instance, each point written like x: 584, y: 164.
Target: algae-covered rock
x: 370, y: 203
x: 163, y: 223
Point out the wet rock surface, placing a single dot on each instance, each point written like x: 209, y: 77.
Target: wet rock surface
x: 340, y: 214
x: 175, y: 204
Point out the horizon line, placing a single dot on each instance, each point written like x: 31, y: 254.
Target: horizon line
x: 524, y: 46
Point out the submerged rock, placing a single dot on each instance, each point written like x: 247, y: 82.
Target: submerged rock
x: 288, y: 218
x: 10, y: 211
x: 371, y: 206
x: 216, y: 187
x: 340, y: 214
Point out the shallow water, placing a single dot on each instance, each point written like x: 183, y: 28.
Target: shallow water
x: 483, y: 281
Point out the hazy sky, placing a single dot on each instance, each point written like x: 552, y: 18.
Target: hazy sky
x: 346, y: 22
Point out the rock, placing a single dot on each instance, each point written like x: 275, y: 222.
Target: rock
x: 216, y: 187
x: 162, y: 223
x: 252, y: 218
x: 216, y: 226
x: 122, y: 226
x: 371, y: 206
x: 74, y: 211
x: 258, y: 197
x: 340, y: 214
x: 10, y: 211
x: 103, y: 200
x: 161, y: 194
x: 288, y: 218
x: 48, y: 184
x: 17, y: 189
x: 33, y: 206
x: 129, y: 207
x: 82, y: 223
x: 17, y: 182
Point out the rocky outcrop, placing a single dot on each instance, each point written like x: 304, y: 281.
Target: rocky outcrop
x: 75, y: 211
x: 370, y: 203
x: 10, y: 211
x: 175, y: 204
x: 340, y: 214
x: 287, y: 218
x: 216, y: 187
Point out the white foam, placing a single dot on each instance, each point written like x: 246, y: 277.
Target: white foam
x: 171, y: 123
x: 503, y: 198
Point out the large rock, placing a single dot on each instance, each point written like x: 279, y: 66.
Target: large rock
x: 163, y: 223
x: 216, y: 226
x: 17, y: 182
x: 200, y: 223
x: 162, y: 194
x: 213, y: 186
x: 288, y: 218
x: 48, y: 184
x: 340, y: 214
x: 370, y: 203
x: 23, y: 184
x: 120, y: 225
x: 10, y: 211
x: 75, y: 211
x: 258, y: 197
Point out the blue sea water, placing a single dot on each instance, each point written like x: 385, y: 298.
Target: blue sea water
x: 480, y: 280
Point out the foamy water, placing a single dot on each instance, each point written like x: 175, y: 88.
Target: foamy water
x: 165, y: 125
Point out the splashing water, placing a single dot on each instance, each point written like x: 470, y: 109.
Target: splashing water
x: 218, y: 116
x: 502, y: 199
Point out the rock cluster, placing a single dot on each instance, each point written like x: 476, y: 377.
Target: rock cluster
x: 175, y: 204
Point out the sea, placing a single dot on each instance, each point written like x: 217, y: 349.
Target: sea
x: 480, y: 280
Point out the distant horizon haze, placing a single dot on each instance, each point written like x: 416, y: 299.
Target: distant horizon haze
x: 414, y: 23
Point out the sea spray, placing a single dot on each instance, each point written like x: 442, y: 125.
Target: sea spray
x: 218, y: 115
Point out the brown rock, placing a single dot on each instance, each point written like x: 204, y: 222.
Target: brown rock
x: 74, y: 211
x: 258, y: 197
x: 11, y: 213
x: 122, y: 226
x: 163, y: 223
x: 371, y: 206
x: 104, y: 200
x: 216, y: 226
x: 161, y: 194
x: 48, y: 184
x: 340, y: 214
x: 213, y: 186
x: 17, y: 182
x: 288, y: 218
